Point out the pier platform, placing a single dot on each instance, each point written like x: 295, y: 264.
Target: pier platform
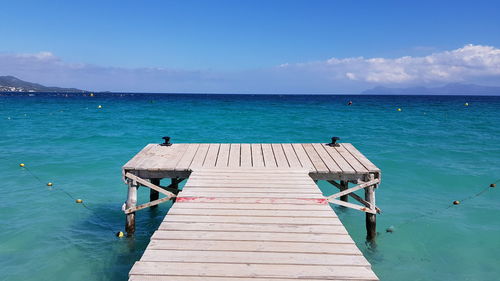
x: 252, y: 211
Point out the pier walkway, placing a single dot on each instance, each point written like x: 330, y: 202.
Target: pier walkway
x: 252, y: 211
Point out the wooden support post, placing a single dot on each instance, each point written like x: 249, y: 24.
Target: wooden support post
x: 343, y: 186
x: 153, y: 194
x: 371, y: 219
x: 175, y: 184
x: 131, y: 202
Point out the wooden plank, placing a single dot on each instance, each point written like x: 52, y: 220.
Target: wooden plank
x: 246, y: 155
x: 353, y: 162
x: 248, y: 171
x: 255, y: 246
x: 255, y: 220
x: 223, y: 156
x: 252, y: 257
x: 187, y: 158
x: 187, y: 193
x: 243, y: 206
x: 251, y: 177
x: 257, y: 156
x: 304, y: 185
x: 249, y: 189
x: 197, y: 181
x: 291, y: 156
x: 279, y: 155
x: 315, y: 159
x: 339, y: 160
x: 234, y: 155
x: 267, y: 152
x: 360, y: 157
x: 132, y: 163
x: 303, y: 157
x: 327, y: 159
x: 255, y: 270
x: 171, y: 155
x: 256, y: 213
x: 149, y: 159
x: 212, y: 153
x: 254, y: 236
x: 246, y: 227
x: 218, y: 278
x: 248, y: 200
x: 200, y: 156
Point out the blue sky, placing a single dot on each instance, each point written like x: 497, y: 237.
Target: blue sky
x: 249, y: 46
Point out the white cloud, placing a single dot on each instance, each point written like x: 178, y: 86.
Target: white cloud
x: 461, y: 65
x: 471, y: 64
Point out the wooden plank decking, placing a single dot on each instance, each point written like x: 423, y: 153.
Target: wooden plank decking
x: 252, y: 212
x: 323, y: 162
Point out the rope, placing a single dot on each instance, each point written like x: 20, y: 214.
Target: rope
x: 103, y: 224
x: 432, y: 213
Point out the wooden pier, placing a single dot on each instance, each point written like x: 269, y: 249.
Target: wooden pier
x: 252, y: 211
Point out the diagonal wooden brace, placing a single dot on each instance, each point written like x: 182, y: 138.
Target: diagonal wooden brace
x: 146, y: 205
x: 169, y: 195
x: 353, y: 189
x: 148, y: 184
x: 368, y: 206
x: 355, y: 197
x: 352, y: 206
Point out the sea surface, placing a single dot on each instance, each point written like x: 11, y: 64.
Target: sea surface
x: 432, y: 152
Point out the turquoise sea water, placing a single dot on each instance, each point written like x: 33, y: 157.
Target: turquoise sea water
x: 434, y: 151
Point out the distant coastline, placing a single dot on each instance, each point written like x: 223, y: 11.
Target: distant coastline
x: 14, y: 85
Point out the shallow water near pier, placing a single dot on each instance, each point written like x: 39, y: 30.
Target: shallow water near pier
x: 432, y: 152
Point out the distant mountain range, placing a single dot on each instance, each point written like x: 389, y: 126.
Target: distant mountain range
x: 13, y: 84
x: 450, y: 89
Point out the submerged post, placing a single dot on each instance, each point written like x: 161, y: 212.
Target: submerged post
x: 343, y: 186
x: 371, y: 219
x: 175, y: 184
x: 153, y: 194
x: 131, y: 202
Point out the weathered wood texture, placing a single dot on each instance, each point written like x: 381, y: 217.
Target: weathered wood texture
x: 237, y: 223
x: 323, y: 162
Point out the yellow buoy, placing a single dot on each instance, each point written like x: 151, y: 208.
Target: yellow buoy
x: 399, y: 109
x: 49, y: 184
x: 99, y: 106
x: 466, y: 104
x: 91, y: 94
x: 79, y: 201
x: 21, y: 165
x: 120, y: 234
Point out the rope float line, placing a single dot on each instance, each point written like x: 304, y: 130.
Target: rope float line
x: 50, y: 185
x: 392, y: 228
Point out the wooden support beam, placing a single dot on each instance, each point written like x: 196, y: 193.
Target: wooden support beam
x: 344, y: 185
x: 175, y: 185
x: 131, y: 202
x: 148, y: 184
x: 356, y: 197
x: 145, y: 205
x: 352, y: 189
x: 352, y: 206
x: 153, y: 194
x: 371, y: 218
